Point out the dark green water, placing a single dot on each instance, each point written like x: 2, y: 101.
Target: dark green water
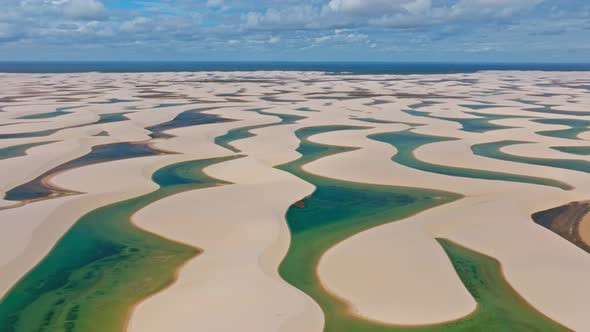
x: 244, y: 132
x: 373, y: 120
x: 551, y: 110
x: 170, y: 105
x: 103, y: 265
x: 30, y: 134
x: 492, y: 150
x: 186, y: 119
x: 58, y: 112
x: 108, y: 118
x: 38, y: 188
x: 13, y: 123
x: 423, y: 104
x: 547, y: 108
x: 114, y: 101
x: 479, y: 107
x: 482, y: 124
x: 306, y: 109
x: 576, y: 128
x: 19, y: 150
x: 103, y: 118
x: 339, y: 209
x: 407, y: 141
x: 579, y: 150
x: 378, y: 102
x: 279, y: 100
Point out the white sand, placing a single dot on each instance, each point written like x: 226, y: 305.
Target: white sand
x: 394, y: 273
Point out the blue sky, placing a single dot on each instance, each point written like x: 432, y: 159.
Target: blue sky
x: 297, y: 30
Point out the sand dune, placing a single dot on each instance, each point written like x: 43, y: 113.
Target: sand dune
x: 396, y: 273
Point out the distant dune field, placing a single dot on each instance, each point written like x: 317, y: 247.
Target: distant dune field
x: 295, y: 202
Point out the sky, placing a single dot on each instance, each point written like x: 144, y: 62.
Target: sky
x: 296, y: 30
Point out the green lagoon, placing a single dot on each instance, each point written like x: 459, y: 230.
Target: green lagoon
x: 19, y: 150
x: 188, y: 118
x: 481, y: 124
x: 48, y: 115
x: 102, y: 119
x: 493, y: 150
x: 579, y: 150
x: 103, y: 265
x: 40, y: 188
x: 576, y: 127
x: 244, y: 132
x: 339, y: 209
x: 407, y: 141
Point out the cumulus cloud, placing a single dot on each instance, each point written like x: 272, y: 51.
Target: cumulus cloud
x: 274, y: 40
x: 415, y: 13
x: 341, y: 37
x: 292, y: 25
x: 492, y: 8
x: 215, y: 3
x: 377, y: 7
x: 136, y: 24
x: 84, y: 9
x: 296, y: 16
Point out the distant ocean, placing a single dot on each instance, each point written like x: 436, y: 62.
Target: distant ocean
x: 331, y: 67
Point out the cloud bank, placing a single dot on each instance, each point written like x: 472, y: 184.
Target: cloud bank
x: 295, y: 29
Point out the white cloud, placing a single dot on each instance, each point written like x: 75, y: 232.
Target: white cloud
x: 342, y: 37
x: 296, y: 16
x: 418, y: 6
x: 281, y: 25
x: 415, y: 13
x: 136, y: 24
x: 377, y: 7
x: 215, y: 3
x: 491, y: 8
x: 83, y: 9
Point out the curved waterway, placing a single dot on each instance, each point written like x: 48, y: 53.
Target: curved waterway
x: 579, y: 150
x: 380, y: 121
x: 493, y: 150
x: 186, y: 119
x: 481, y: 124
x: 407, y: 141
x: 576, y: 127
x: 104, y: 264
x: 114, y: 101
x: 102, y: 119
x: 48, y: 115
x: 306, y: 109
x: 41, y: 188
x: 244, y: 132
x: 480, y: 106
x: 373, y: 120
x: 339, y: 209
x: 548, y: 108
x: 19, y: 150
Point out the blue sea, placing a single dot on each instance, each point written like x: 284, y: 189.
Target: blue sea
x: 330, y: 67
